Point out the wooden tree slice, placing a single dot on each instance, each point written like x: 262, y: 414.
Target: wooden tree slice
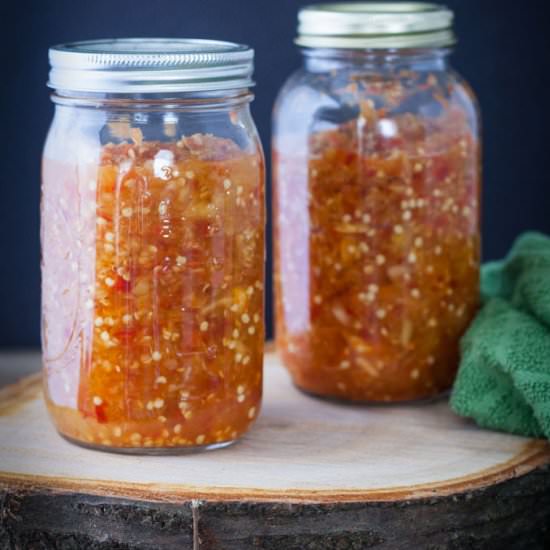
x: 311, y: 474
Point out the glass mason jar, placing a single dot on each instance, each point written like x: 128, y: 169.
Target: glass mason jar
x: 152, y: 245
x: 376, y: 158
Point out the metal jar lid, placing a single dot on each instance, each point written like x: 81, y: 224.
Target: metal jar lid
x: 150, y: 65
x: 377, y: 25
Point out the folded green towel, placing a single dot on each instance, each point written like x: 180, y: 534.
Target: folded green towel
x: 504, y: 378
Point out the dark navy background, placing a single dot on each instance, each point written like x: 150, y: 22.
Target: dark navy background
x: 504, y: 52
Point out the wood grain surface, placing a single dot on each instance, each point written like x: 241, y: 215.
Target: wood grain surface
x: 311, y: 474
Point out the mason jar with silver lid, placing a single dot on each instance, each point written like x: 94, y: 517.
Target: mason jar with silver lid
x: 152, y: 245
x: 376, y: 170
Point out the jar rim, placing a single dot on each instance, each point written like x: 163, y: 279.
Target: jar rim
x: 376, y: 25
x: 150, y: 65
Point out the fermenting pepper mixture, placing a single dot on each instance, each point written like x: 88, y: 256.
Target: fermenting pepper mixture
x: 377, y: 239
x: 161, y: 340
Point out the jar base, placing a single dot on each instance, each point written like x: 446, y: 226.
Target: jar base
x: 440, y: 396
x: 151, y: 451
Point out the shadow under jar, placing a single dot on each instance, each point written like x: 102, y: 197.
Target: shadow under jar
x: 376, y: 166
x: 152, y: 245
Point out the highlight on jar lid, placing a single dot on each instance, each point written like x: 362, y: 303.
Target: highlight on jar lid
x: 150, y: 65
x: 377, y: 25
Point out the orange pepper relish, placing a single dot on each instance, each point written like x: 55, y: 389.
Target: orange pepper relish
x: 170, y: 330
x: 377, y: 254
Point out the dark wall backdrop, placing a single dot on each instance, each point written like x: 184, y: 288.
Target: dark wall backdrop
x: 504, y: 51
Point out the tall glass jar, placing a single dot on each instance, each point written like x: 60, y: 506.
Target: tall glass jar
x: 376, y: 158
x: 152, y: 245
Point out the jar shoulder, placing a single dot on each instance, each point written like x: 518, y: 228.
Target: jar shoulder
x: 78, y: 133
x: 296, y: 93
x: 464, y: 96
x: 315, y: 101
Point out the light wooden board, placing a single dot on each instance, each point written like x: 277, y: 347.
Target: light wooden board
x: 311, y: 474
x: 300, y: 449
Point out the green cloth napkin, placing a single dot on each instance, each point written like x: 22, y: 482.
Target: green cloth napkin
x: 503, y: 382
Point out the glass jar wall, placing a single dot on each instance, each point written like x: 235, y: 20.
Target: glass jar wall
x: 153, y: 255
x: 376, y: 159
